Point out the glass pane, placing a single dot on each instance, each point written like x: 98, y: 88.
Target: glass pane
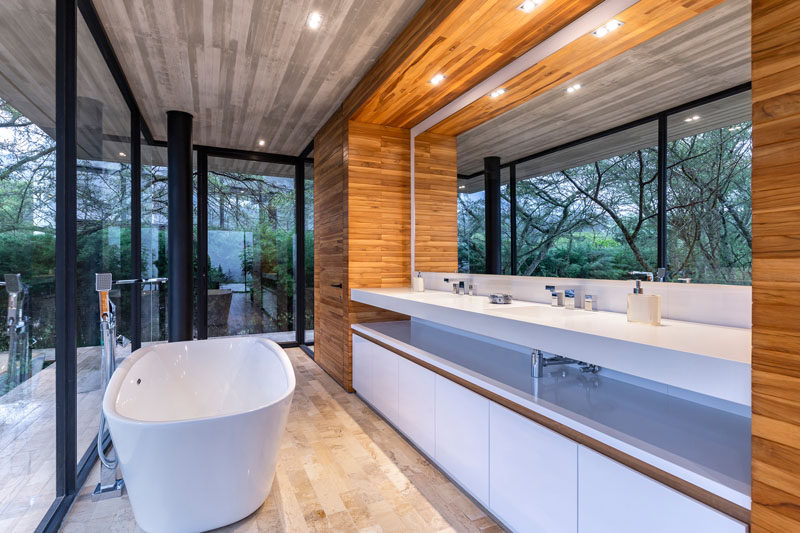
x: 709, y: 214
x: 505, y: 222
x: 309, y: 212
x: 154, y: 243
x: 250, y: 249
x: 471, y: 226
x: 104, y: 220
x: 27, y: 248
x: 590, y: 211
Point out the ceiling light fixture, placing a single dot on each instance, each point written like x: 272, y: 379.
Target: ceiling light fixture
x: 529, y: 5
x: 437, y: 79
x: 122, y: 154
x: 497, y: 92
x: 462, y: 186
x: 607, y: 28
x: 692, y: 118
x: 572, y: 88
x: 314, y: 20
x: 262, y: 142
x: 735, y: 128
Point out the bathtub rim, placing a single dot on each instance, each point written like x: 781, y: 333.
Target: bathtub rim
x: 117, y: 379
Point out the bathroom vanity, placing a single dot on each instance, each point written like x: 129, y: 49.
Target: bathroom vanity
x: 658, y: 440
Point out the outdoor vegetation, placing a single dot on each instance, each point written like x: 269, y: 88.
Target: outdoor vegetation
x: 599, y: 220
x: 251, y: 219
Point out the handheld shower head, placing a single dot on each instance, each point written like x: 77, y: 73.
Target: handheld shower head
x: 102, y: 282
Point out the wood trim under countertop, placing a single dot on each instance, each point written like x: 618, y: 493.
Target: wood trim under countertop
x: 693, y: 491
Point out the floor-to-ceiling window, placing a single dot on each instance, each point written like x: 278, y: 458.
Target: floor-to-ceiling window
x: 309, y: 249
x: 251, y: 227
x: 708, y: 193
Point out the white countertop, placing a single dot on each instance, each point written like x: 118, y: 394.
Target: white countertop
x: 709, y: 359
x: 706, y: 446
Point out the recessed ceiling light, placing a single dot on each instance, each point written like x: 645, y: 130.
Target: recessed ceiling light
x: 692, y: 118
x: 529, y: 5
x: 462, y: 186
x: 262, y: 142
x: 122, y: 154
x: 607, y: 28
x: 437, y: 79
x: 497, y: 92
x: 572, y: 88
x: 314, y: 20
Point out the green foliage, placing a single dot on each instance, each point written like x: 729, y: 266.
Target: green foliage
x: 599, y: 220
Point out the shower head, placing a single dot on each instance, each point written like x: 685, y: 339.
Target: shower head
x: 13, y: 283
x: 102, y: 282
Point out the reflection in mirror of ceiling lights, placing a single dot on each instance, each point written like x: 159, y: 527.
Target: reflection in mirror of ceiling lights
x: 572, y: 88
x: 607, y: 28
x: 262, y: 142
x: 497, y: 92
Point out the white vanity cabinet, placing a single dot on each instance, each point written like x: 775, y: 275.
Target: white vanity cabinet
x: 362, y: 367
x: 462, y: 436
x: 613, y: 498
x: 533, y: 474
x: 416, y: 396
x: 384, y: 382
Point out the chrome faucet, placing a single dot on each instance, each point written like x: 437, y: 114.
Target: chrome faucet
x: 19, y: 356
x: 539, y: 362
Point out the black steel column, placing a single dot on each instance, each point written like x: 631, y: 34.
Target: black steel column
x: 136, y: 230
x: 662, y: 191
x: 202, y: 244
x: 300, y: 250
x: 66, y: 247
x: 179, y: 237
x: 512, y: 187
x: 491, y: 167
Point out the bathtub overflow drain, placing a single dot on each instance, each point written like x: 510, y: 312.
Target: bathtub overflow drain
x: 138, y: 381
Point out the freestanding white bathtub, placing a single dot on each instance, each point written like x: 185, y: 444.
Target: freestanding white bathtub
x: 197, y: 427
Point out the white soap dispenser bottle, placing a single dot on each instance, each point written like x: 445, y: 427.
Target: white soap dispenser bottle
x: 645, y: 308
x: 418, y: 283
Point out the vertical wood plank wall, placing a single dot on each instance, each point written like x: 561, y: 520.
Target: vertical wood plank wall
x: 330, y: 248
x: 776, y: 266
x: 435, y: 203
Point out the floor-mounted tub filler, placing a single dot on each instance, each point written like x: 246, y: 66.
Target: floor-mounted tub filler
x: 197, y: 427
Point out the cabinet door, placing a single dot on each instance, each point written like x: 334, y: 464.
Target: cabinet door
x: 462, y: 436
x: 613, y: 498
x: 384, y: 381
x: 534, y: 474
x: 362, y: 367
x: 415, y: 400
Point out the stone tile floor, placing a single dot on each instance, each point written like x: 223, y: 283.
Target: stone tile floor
x: 341, y: 468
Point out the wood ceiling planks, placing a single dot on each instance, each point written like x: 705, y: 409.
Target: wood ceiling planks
x: 248, y: 69
x: 475, y: 39
x: 643, y: 21
x: 704, y: 55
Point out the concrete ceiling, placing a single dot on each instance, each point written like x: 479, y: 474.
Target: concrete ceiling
x: 707, y: 54
x: 248, y: 69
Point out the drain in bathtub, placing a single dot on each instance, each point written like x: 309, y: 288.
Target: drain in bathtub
x: 139, y: 381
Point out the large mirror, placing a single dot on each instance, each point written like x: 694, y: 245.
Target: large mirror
x: 579, y: 166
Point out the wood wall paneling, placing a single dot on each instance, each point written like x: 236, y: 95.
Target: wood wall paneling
x: 466, y: 41
x: 644, y: 20
x: 435, y: 203
x: 330, y: 247
x: 776, y: 266
x: 362, y: 211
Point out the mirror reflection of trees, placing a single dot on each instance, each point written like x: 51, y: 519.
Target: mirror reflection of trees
x: 598, y: 220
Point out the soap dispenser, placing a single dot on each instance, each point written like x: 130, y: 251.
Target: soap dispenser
x: 644, y: 308
x: 418, y: 282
